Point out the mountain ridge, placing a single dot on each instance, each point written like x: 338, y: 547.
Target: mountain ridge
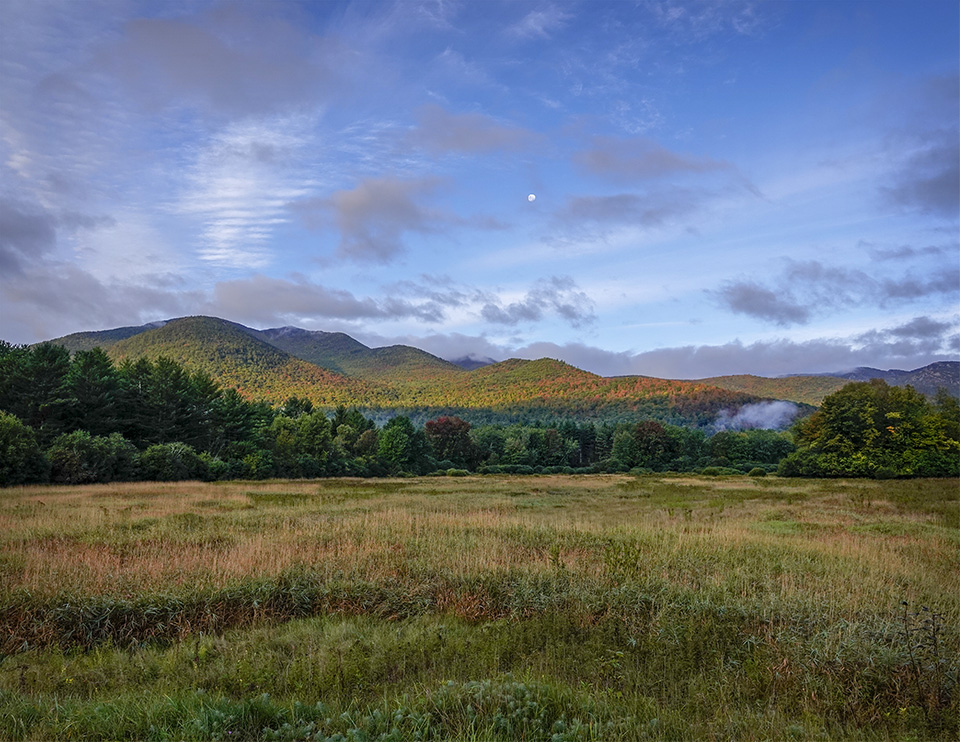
x: 334, y: 367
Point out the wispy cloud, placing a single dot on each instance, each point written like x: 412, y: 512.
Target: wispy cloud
x: 240, y: 185
x: 925, y: 177
x: 540, y: 23
x: 440, y: 131
x: 262, y: 299
x: 638, y: 159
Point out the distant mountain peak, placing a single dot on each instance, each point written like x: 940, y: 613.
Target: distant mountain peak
x: 471, y: 362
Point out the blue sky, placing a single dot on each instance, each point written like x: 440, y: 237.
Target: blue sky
x: 721, y: 186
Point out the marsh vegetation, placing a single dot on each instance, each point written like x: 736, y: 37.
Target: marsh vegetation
x: 481, y: 608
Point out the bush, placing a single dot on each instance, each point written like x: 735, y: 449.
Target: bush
x: 21, y: 460
x: 216, y: 469
x: 757, y: 471
x: 171, y: 462
x: 260, y: 465
x: 719, y: 471
x: 80, y: 458
x: 457, y: 473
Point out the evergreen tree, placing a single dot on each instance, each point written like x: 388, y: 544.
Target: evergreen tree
x: 93, y: 386
x: 46, y: 396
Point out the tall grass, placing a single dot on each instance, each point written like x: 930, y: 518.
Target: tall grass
x: 602, y: 607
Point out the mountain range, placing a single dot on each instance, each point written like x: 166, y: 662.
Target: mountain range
x: 332, y: 368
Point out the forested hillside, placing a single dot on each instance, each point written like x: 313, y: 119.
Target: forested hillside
x: 235, y: 358
x: 804, y: 389
x: 270, y: 365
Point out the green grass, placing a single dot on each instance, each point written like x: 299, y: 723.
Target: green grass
x: 482, y: 608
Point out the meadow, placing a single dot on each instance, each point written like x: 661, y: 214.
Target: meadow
x: 595, y: 607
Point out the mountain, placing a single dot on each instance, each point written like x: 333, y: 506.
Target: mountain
x: 811, y: 389
x: 325, y: 349
x: 944, y: 374
x: 333, y: 368
x: 804, y: 389
x: 233, y: 356
x: 339, y: 352
x: 470, y: 363
x: 102, y: 338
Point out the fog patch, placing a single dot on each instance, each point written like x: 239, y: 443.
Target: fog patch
x: 766, y: 415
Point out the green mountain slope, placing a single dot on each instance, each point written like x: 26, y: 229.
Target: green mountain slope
x: 234, y: 357
x: 805, y: 389
x: 553, y: 388
x: 279, y: 363
x: 339, y: 352
x: 328, y: 350
x: 101, y: 338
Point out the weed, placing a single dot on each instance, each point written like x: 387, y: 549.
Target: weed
x: 935, y: 672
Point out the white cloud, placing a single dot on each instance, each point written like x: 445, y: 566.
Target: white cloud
x: 240, y: 184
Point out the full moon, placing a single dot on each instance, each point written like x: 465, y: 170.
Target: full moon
x: 531, y: 197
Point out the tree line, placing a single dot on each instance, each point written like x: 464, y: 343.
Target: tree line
x: 82, y: 418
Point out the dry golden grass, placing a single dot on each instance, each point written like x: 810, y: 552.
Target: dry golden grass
x: 847, y: 543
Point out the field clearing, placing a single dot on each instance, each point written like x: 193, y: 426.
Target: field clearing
x: 543, y: 607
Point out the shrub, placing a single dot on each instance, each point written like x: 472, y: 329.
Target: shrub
x: 757, y: 471
x: 21, y: 460
x: 216, y: 469
x: 260, y: 465
x: 718, y: 471
x: 80, y: 458
x: 170, y: 462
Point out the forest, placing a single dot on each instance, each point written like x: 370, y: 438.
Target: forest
x: 81, y: 418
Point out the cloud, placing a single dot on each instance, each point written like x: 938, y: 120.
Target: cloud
x: 558, y: 295
x: 262, y: 299
x: 784, y: 356
x: 912, y: 344
x: 439, y: 131
x: 921, y: 335
x: 55, y: 298
x: 906, y: 252
x: 694, y: 21
x: 26, y: 233
x: 29, y: 232
x: 767, y: 415
x: 373, y: 217
x: 441, y: 290
x: 240, y: 185
x: 928, y: 181
x: 925, y: 177
x: 539, y: 24
x: 169, y: 62
x: 582, y: 213
x: 825, y: 287
x: 752, y: 299
x: 921, y: 328
x: 638, y: 159
x: 944, y: 281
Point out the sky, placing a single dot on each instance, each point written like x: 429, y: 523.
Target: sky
x: 721, y: 186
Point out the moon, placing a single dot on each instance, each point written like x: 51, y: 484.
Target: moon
x: 532, y: 197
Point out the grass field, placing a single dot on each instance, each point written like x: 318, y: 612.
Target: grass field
x: 482, y: 608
